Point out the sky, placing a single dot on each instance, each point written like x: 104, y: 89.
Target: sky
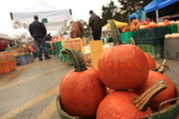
x: 80, y: 9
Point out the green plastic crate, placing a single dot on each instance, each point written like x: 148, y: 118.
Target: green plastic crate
x: 126, y: 36
x: 51, y: 52
x: 58, y: 47
x: 150, y: 36
x: 155, y: 50
x: 173, y: 28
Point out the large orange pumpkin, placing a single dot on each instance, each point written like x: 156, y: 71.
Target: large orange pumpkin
x: 166, y: 94
x: 151, y: 61
x: 81, y: 90
x: 119, y: 105
x: 123, y: 67
x: 128, y: 105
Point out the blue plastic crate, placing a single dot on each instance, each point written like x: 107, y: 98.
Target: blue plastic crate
x: 20, y: 60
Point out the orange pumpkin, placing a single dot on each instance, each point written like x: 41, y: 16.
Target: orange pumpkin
x: 148, y: 26
x: 166, y: 20
x: 151, y: 61
x: 166, y: 94
x: 81, y: 90
x: 154, y: 25
x: 166, y: 23
x: 122, y: 65
x: 119, y: 105
x: 128, y: 105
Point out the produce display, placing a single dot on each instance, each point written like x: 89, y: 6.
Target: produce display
x: 172, y: 36
x: 74, y: 43
x: 121, y: 84
x: 137, y: 25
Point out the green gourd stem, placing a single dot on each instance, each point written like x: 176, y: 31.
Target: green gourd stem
x: 143, y: 101
x: 115, y: 34
x: 79, y: 64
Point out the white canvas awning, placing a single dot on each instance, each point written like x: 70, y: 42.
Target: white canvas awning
x: 57, y: 18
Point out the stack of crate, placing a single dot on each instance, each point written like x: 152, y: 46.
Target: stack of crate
x: 126, y: 36
x: 7, y: 62
x: 151, y: 40
x: 65, y: 58
x: 58, y: 48
x: 171, y: 49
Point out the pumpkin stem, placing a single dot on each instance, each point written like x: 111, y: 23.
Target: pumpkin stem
x: 163, y: 67
x: 143, y: 101
x: 132, y: 41
x: 115, y: 34
x: 79, y: 64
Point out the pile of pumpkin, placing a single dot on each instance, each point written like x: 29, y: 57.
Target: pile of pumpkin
x: 172, y: 36
x: 117, y: 89
x: 137, y: 25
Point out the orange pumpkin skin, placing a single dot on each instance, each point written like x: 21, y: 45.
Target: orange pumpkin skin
x: 118, y: 105
x: 151, y: 61
x: 123, y: 67
x: 81, y: 92
x: 166, y: 94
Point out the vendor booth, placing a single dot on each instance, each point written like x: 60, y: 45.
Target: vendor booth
x: 159, y: 8
x: 54, y: 19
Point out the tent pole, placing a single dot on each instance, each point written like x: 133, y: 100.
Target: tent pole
x: 157, y: 16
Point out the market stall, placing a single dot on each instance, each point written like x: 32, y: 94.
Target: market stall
x: 54, y: 19
x: 149, y: 36
x: 159, y: 8
x: 24, y: 52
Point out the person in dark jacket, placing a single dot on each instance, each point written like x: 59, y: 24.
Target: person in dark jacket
x: 38, y: 32
x: 95, y: 23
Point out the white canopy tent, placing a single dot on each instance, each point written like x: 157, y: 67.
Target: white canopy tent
x: 56, y: 18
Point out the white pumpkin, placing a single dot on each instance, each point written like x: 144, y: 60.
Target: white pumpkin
x: 177, y: 22
x: 161, y: 24
x: 142, y: 26
x: 167, y: 36
x: 175, y: 35
x: 172, y: 22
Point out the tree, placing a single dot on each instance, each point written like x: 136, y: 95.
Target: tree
x: 128, y: 6
x: 121, y: 13
x: 108, y: 12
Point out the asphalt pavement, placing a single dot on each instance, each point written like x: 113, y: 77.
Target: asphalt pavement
x: 30, y: 91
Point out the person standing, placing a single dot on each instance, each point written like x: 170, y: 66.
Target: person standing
x: 95, y: 23
x: 38, y: 32
x: 140, y: 12
x: 76, y: 30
